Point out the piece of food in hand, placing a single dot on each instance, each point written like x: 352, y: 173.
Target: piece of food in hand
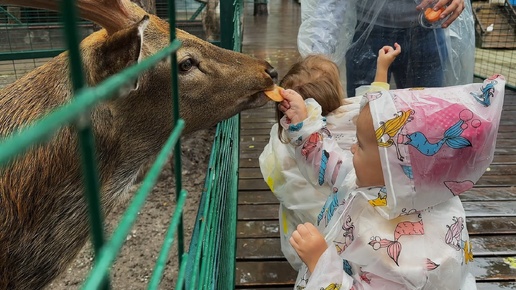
x: 432, y: 16
x: 275, y: 94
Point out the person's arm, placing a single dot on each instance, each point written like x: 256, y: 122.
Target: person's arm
x: 319, y: 157
x: 327, y: 272
x: 386, y: 57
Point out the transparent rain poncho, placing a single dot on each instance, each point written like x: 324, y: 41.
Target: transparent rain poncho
x: 351, y: 32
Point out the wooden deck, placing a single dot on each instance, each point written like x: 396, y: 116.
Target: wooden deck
x: 490, y: 206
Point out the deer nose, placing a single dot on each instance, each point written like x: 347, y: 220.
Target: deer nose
x: 273, y: 73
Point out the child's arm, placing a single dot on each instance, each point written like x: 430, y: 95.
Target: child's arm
x: 386, y: 57
x: 319, y: 157
x: 324, y: 264
x: 293, y: 106
x: 309, y: 244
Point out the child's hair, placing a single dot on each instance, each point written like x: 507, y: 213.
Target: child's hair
x: 317, y: 77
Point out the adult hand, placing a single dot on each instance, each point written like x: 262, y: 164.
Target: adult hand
x: 455, y: 8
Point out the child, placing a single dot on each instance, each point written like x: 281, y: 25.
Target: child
x: 402, y: 224
x: 317, y: 79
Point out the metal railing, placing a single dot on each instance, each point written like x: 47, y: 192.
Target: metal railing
x: 206, y: 266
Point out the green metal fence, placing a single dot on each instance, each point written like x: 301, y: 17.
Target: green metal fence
x: 210, y: 263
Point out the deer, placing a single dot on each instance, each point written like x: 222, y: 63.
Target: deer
x: 43, y: 215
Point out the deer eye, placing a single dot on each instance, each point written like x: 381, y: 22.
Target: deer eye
x: 186, y: 65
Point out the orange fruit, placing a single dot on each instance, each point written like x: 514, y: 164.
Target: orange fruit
x: 275, y: 94
x: 433, y: 16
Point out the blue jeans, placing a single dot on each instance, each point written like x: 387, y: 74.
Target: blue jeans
x: 423, y: 51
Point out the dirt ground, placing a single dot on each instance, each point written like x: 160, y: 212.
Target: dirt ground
x: 134, y: 265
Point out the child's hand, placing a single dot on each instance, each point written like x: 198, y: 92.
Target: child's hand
x: 293, y: 106
x: 309, y: 244
x: 387, y: 55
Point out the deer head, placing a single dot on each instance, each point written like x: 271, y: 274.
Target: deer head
x: 43, y: 215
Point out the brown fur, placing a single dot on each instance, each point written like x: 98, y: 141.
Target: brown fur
x: 43, y: 218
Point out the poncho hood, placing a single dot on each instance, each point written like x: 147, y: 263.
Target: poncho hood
x: 435, y: 143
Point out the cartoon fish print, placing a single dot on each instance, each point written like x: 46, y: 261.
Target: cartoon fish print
x: 322, y: 168
x: 381, y: 200
x: 408, y: 171
x: 328, y: 209
x: 453, y: 236
x: 311, y: 144
x: 336, y: 171
x: 451, y: 138
x: 391, y: 128
x: 487, y: 92
x: 347, y: 267
x: 394, y: 247
x: 313, y: 141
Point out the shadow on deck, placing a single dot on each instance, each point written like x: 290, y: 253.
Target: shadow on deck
x: 490, y: 206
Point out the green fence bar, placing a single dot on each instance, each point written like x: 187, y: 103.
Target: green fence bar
x: 30, y: 54
x: 175, y: 111
x: 84, y: 131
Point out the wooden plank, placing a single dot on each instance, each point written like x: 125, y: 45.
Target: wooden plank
x: 497, y: 180
x: 496, y: 193
x: 257, y: 197
x: 490, y: 208
x: 252, y: 184
x: 265, y: 273
x: 259, y: 249
x: 491, y: 225
x: 473, y: 209
x: 276, y: 273
x: 250, y: 173
x: 486, y: 246
x: 483, y: 285
x: 258, y: 229
x: 248, y: 162
x: 258, y: 212
x: 492, y: 269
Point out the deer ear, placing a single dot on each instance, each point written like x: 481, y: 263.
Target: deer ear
x: 120, y: 50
